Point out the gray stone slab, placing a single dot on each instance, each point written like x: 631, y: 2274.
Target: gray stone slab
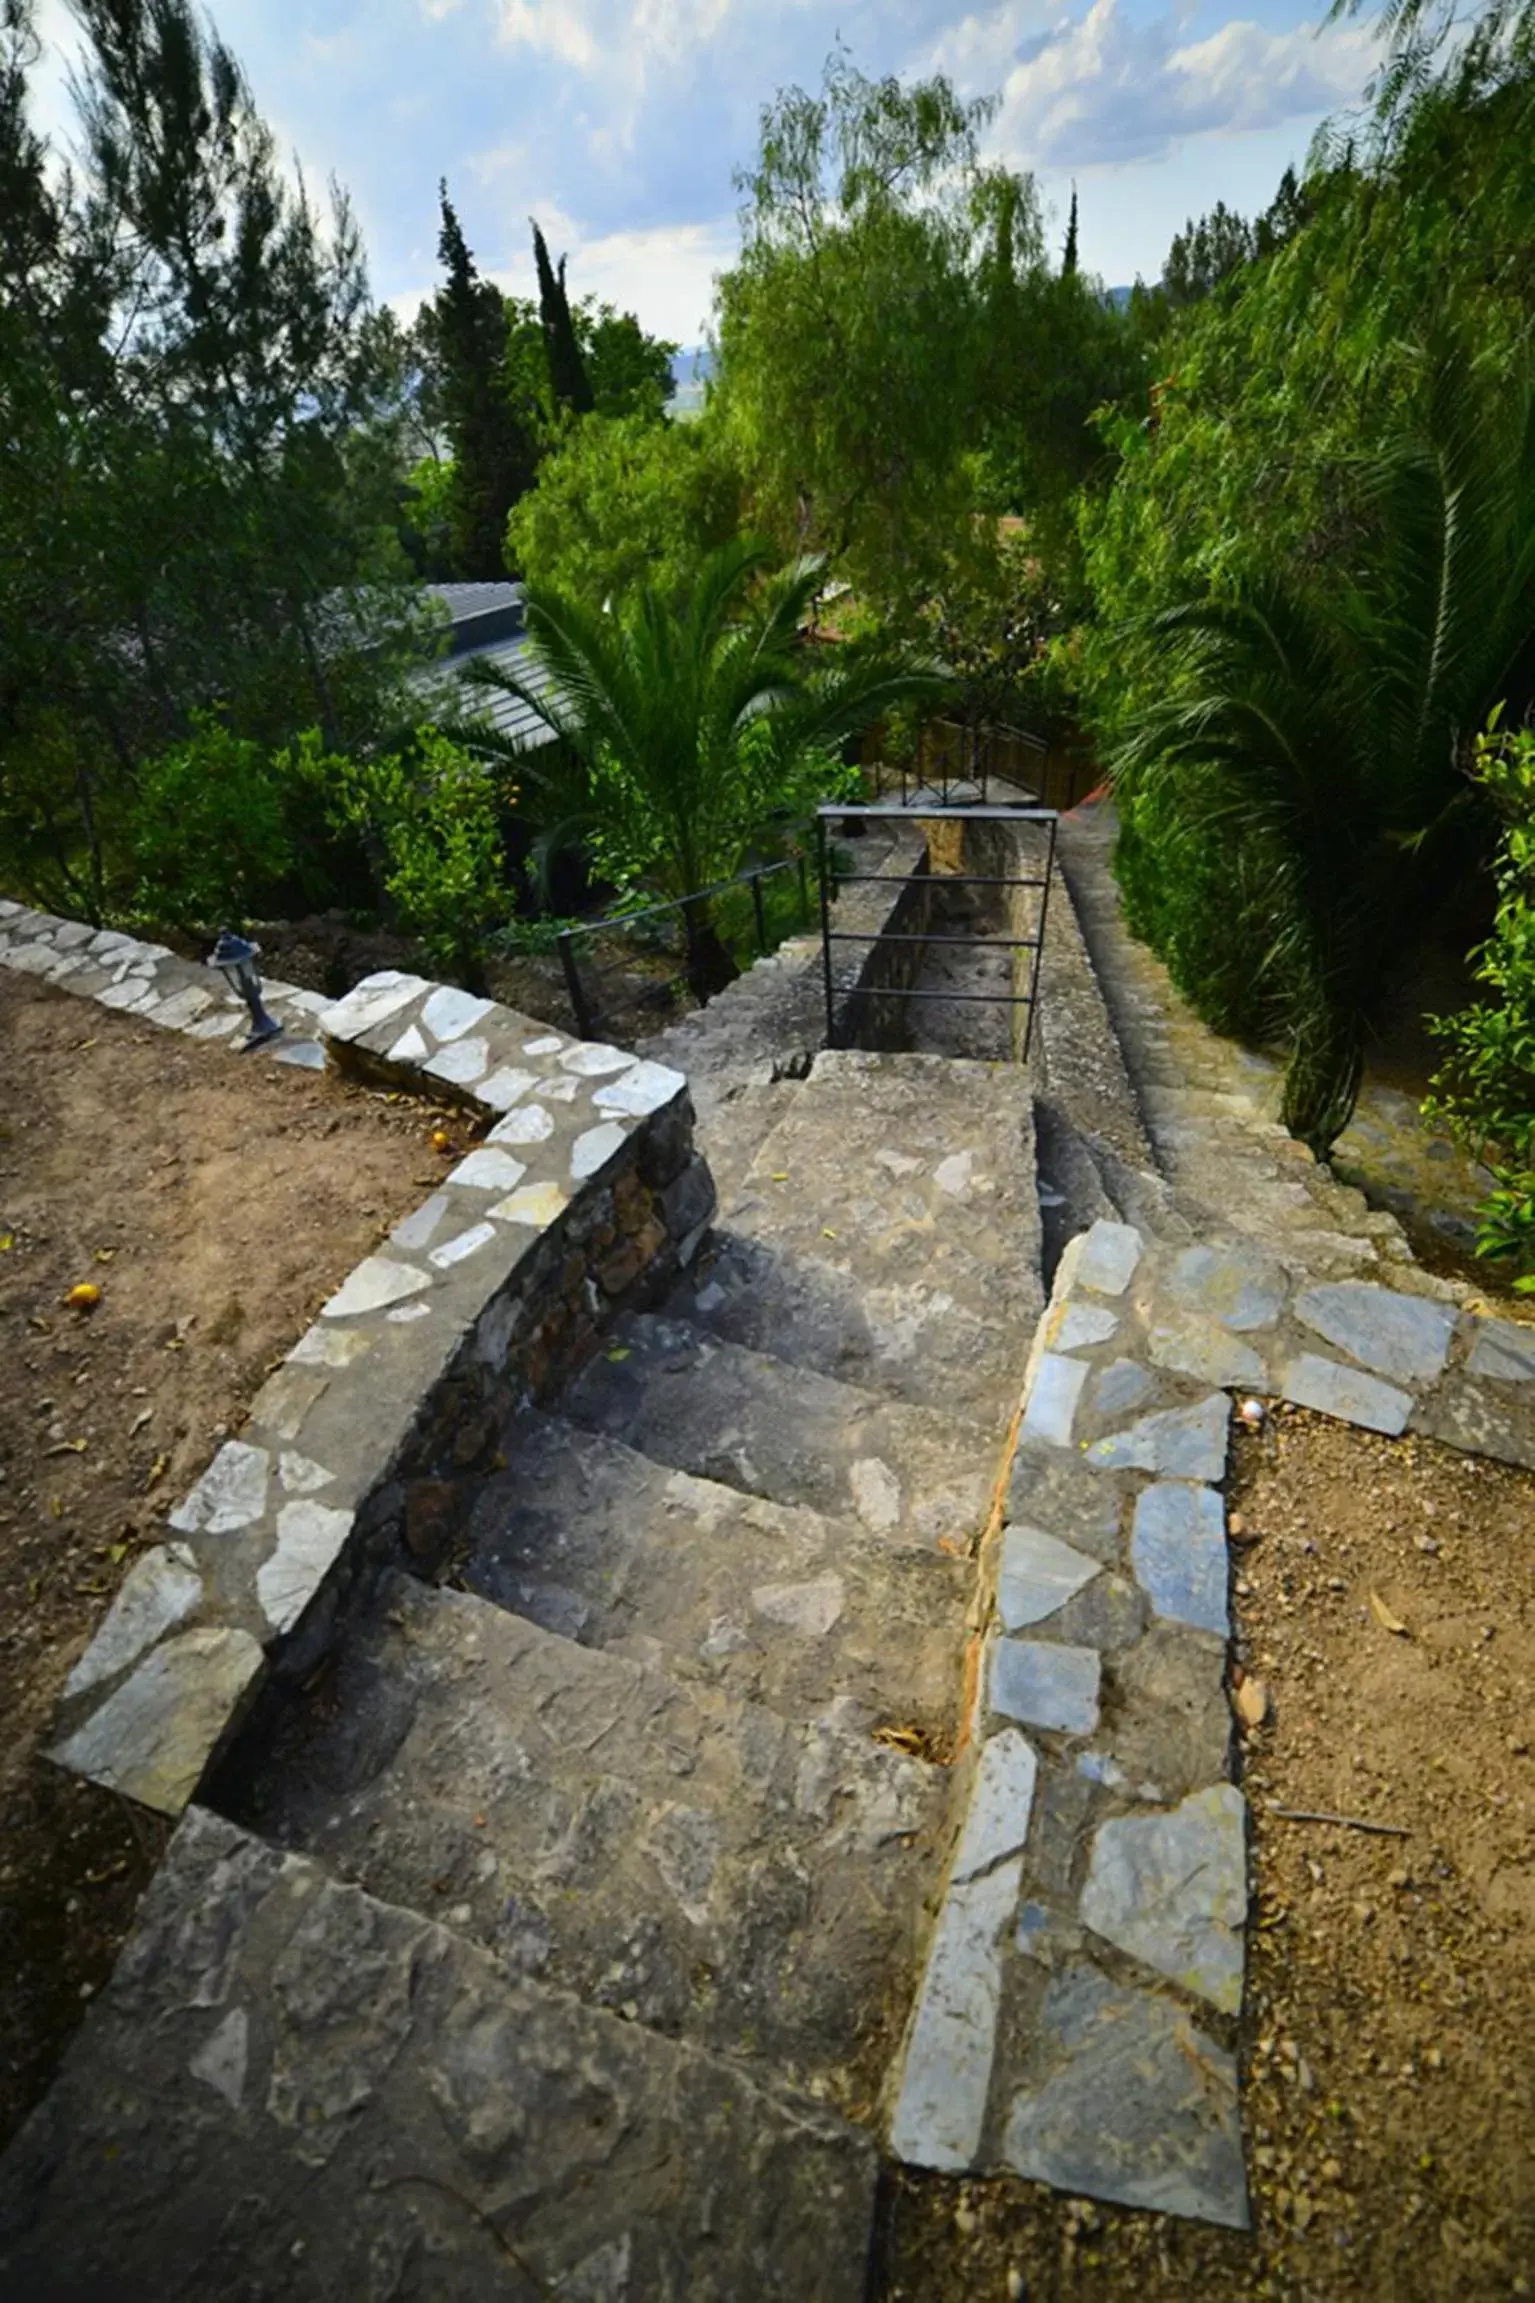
x: 1176, y: 1443
x: 152, y: 1737
x: 1178, y: 1553
x: 1192, y: 1344
x: 231, y: 1493
x: 1038, y: 1574
x: 291, y: 2090
x: 1001, y: 1802
x: 1141, y: 2109
x: 1121, y: 1387
x: 940, y: 2112
x: 1107, y: 1258
x: 1400, y: 1335
x: 1044, y: 1685
x: 1237, y: 1285
x: 1052, y: 1402
x: 1345, y: 1392
x: 1171, y: 1890
x: 1075, y: 1326
x: 1504, y: 1351
x: 1172, y: 1721
x: 158, y: 1593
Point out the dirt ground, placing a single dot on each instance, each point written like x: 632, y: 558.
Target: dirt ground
x: 1389, y: 2105
x: 215, y: 1201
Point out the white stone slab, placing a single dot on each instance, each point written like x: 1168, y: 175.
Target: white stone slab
x: 449, y: 1013
x: 1107, y: 1258
x: 309, y: 1537
x: 157, y: 1594
x: 300, y: 1474
x: 417, y: 1229
x: 538, y: 1204
x: 230, y: 1495
x: 946, y: 2077
x: 409, y: 1048
x: 488, y: 1168
x: 1504, y: 1351
x: 370, y: 1003
x: 1045, y: 1685
x: 1001, y: 1803
x: 591, y: 1059
x: 595, y: 1148
x: 376, y: 1282
x: 1053, y: 1397
x: 641, y: 1091
x: 330, y: 1347
x: 529, y: 1125
x: 505, y: 1088
x: 1038, y: 1575
x: 549, y: 1045
x: 462, y: 1063
x: 466, y: 1244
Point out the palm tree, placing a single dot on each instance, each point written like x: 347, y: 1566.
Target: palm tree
x: 695, y: 730
x: 1325, y: 744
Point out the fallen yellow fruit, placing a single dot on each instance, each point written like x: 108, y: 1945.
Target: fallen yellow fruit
x: 85, y: 1297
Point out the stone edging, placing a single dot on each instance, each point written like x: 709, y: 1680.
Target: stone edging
x: 1076, y: 2020
x: 582, y: 1202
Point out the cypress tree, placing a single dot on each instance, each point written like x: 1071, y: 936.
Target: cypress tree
x: 1069, y: 260
x: 568, y: 380
x: 493, y: 456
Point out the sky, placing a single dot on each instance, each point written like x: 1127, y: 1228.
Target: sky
x: 619, y: 125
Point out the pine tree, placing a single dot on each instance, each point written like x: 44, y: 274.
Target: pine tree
x: 1069, y: 259
x: 568, y: 381
x: 494, y: 458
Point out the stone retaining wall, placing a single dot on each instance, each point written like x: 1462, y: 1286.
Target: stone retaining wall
x: 583, y: 1201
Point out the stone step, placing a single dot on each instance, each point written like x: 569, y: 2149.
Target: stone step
x: 773, y: 1602
x: 697, y: 1403
x: 701, y: 1865
x: 887, y: 1232
x: 291, y: 2089
x: 733, y: 1123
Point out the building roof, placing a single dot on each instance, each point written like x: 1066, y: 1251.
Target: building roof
x: 485, y: 621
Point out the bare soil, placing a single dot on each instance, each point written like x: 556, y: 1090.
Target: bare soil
x: 215, y: 1202
x: 1388, y: 2100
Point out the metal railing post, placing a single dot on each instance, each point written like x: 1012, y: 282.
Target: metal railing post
x: 821, y: 864
x: 1039, y: 948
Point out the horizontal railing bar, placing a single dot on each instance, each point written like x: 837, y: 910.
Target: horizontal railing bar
x: 680, y: 903
x: 971, y: 943
x: 934, y: 880
x: 995, y: 811
x: 970, y: 999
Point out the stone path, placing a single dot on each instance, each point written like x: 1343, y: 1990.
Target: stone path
x: 1076, y: 2018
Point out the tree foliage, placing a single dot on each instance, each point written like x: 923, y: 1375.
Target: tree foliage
x: 569, y: 385
x: 197, y: 458
x: 623, y: 501
x: 494, y: 449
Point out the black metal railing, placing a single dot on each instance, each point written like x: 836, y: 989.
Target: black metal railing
x: 957, y: 761
x: 916, y: 942
x: 684, y: 933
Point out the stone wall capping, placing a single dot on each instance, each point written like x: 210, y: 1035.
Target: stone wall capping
x: 584, y: 1200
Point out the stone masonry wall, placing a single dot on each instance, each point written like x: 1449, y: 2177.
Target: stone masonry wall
x: 584, y: 1201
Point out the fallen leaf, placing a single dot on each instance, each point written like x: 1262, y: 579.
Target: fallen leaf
x: 7, y: 1240
x: 157, y: 1471
x: 781, y: 1177
x: 621, y: 1353
x: 1385, y: 1618
x: 117, y: 1552
x: 1250, y: 1702
x: 105, y: 1254
x: 827, y: 1232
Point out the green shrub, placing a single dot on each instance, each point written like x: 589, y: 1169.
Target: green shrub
x: 1486, y: 1088
x: 211, y: 828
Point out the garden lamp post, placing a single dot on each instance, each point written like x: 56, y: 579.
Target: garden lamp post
x: 236, y: 961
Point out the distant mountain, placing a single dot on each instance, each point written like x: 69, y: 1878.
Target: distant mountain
x: 1119, y: 297
x: 692, y: 369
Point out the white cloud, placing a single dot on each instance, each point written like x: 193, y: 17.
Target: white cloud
x: 1085, y: 91
x: 665, y: 276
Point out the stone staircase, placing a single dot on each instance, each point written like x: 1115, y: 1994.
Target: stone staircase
x: 613, y: 1851
x: 1213, y: 1158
